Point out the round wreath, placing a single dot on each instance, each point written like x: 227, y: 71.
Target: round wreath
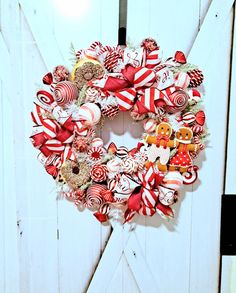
x: 112, y: 181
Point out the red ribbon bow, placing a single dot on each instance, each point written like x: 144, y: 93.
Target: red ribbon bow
x: 146, y: 195
x: 53, y: 138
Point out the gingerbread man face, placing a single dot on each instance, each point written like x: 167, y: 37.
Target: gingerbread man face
x: 184, y: 134
x: 164, y: 129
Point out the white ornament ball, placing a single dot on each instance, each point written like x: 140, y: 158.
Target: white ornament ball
x: 182, y: 80
x: 149, y: 125
x: 167, y: 196
x: 90, y: 113
x: 173, y: 180
x: 114, y: 165
x: 97, y: 142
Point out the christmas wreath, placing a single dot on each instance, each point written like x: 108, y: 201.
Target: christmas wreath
x: 113, y: 181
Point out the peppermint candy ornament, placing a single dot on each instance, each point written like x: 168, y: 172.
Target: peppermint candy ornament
x: 98, y: 173
x: 113, y: 181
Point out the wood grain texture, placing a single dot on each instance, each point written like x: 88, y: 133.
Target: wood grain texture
x: 230, y: 180
x: 9, y: 269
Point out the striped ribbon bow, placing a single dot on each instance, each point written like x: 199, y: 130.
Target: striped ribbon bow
x: 51, y: 137
x: 144, y: 198
x: 137, y: 86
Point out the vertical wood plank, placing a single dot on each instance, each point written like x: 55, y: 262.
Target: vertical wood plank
x: 2, y: 206
x: 37, y: 208
x: 9, y: 279
x: 206, y: 207
x: 230, y: 179
x: 82, y: 237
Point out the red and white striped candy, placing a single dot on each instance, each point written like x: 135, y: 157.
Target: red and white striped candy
x: 178, y: 100
x: 197, y: 140
x: 97, y: 142
x: 96, y: 45
x: 98, y: 173
x: 106, y: 49
x: 52, y: 86
x: 191, y: 175
x: 129, y: 165
x: 149, y: 125
x: 194, y: 96
x: 89, y: 113
x: 188, y: 118
x: 197, y: 128
x: 105, y: 208
x: 45, y: 97
x: 65, y: 93
x: 111, y: 185
x: 94, y: 196
x: 95, y: 153
x: 79, y: 54
x: 122, y: 152
x: 182, y: 80
x: 111, y: 60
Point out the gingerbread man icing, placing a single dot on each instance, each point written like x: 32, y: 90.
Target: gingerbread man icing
x: 160, y: 146
x: 182, y: 160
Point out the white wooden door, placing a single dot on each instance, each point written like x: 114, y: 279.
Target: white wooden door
x: 59, y: 248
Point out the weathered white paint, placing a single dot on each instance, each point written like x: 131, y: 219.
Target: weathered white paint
x: 59, y: 247
x: 9, y: 280
x: 230, y: 184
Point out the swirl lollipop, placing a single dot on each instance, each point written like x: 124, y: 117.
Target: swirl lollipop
x: 178, y: 101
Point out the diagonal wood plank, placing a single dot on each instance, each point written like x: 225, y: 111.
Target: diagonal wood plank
x: 210, y: 30
x: 142, y: 272
x: 35, y: 13
x: 110, y: 259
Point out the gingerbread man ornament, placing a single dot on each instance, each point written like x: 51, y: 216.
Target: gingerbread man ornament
x: 160, y: 146
x: 181, y: 160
